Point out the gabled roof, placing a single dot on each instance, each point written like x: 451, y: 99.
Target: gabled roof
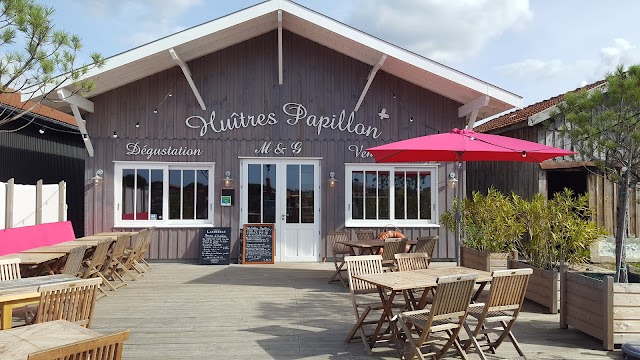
x: 12, y: 101
x: 531, y: 114
x: 240, y: 26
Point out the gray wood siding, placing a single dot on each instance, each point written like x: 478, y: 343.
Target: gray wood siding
x: 524, y: 179
x: 244, y: 78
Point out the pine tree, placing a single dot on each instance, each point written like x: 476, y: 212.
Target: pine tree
x: 603, y: 126
x: 35, y: 57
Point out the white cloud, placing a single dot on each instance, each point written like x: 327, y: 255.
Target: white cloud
x: 535, y: 68
x: 622, y: 52
x: 443, y: 30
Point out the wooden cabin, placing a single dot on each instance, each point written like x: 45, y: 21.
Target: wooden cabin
x: 539, y: 123
x: 43, y: 144
x: 264, y: 117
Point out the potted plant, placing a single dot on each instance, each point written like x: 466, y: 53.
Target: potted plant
x: 489, y: 228
x: 557, y: 232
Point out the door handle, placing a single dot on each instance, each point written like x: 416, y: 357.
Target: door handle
x: 283, y: 215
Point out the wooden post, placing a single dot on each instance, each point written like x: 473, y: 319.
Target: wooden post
x: 607, y: 302
x: 39, y: 202
x: 554, y: 291
x: 9, y: 205
x: 563, y: 297
x: 62, y: 201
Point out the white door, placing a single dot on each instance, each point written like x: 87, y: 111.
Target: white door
x: 285, y: 193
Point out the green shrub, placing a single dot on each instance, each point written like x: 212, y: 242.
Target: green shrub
x: 545, y: 233
x: 489, y: 223
x: 556, y: 231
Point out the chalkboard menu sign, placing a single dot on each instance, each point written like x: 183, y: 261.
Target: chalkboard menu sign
x: 215, y: 246
x: 258, y: 245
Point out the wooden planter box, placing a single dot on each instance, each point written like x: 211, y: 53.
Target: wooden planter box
x: 601, y: 308
x: 484, y: 260
x: 544, y: 286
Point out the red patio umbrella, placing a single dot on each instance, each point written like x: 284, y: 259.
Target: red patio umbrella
x: 464, y: 145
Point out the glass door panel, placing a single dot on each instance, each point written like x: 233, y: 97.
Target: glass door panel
x: 261, y: 193
x: 293, y: 194
x: 300, y: 194
x: 307, y: 194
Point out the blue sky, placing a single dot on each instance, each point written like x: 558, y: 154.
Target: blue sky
x: 536, y: 49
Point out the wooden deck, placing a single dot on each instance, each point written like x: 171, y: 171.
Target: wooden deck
x: 281, y: 311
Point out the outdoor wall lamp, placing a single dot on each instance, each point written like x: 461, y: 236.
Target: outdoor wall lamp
x: 332, y: 179
x: 453, y: 182
x: 228, y: 181
x: 98, y: 178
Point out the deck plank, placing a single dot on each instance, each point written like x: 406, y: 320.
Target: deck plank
x: 281, y: 311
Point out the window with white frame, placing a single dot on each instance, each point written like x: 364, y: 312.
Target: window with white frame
x: 381, y: 194
x: 163, y: 194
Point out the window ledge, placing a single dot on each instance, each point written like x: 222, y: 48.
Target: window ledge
x: 381, y: 224
x: 161, y: 226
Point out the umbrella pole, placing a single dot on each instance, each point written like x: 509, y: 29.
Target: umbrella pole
x: 458, y: 214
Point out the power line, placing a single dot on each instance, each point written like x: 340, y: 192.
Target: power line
x: 411, y: 117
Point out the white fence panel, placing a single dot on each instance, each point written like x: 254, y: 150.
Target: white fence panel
x: 50, y: 200
x: 3, y: 204
x: 24, y: 205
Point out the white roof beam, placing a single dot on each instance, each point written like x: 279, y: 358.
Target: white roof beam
x: 79, y: 120
x: 372, y: 75
x: 187, y: 75
x: 280, y: 47
x: 473, y: 107
x: 76, y: 100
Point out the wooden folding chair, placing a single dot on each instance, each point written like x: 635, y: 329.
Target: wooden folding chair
x: 72, y: 301
x: 130, y: 259
x: 360, y: 265
x: 98, y: 259
x: 107, y: 347
x: 426, y: 244
x: 499, y: 313
x: 145, y: 248
x: 446, y: 314
x: 339, y: 252
x: 365, y: 235
x: 412, y: 261
x: 10, y: 269
x: 73, y: 264
x: 392, y: 246
x: 114, y: 264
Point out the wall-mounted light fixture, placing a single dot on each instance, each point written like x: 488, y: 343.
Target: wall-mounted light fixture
x: 41, y: 131
x: 98, y: 178
x: 332, y: 179
x: 453, y: 182
x: 228, y: 181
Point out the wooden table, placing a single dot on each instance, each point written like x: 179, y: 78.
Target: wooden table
x: 113, y: 234
x: 41, y: 261
x: 117, y: 233
x: 369, y: 246
x: 20, y: 292
x: 18, y: 343
x: 91, y: 241
x: 9, y: 302
x: 31, y: 284
x: 402, y: 281
x: 64, y: 248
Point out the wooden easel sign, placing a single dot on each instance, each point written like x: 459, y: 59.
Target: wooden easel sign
x: 258, y: 244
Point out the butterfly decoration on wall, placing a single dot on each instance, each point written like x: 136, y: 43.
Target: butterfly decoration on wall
x: 383, y: 114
